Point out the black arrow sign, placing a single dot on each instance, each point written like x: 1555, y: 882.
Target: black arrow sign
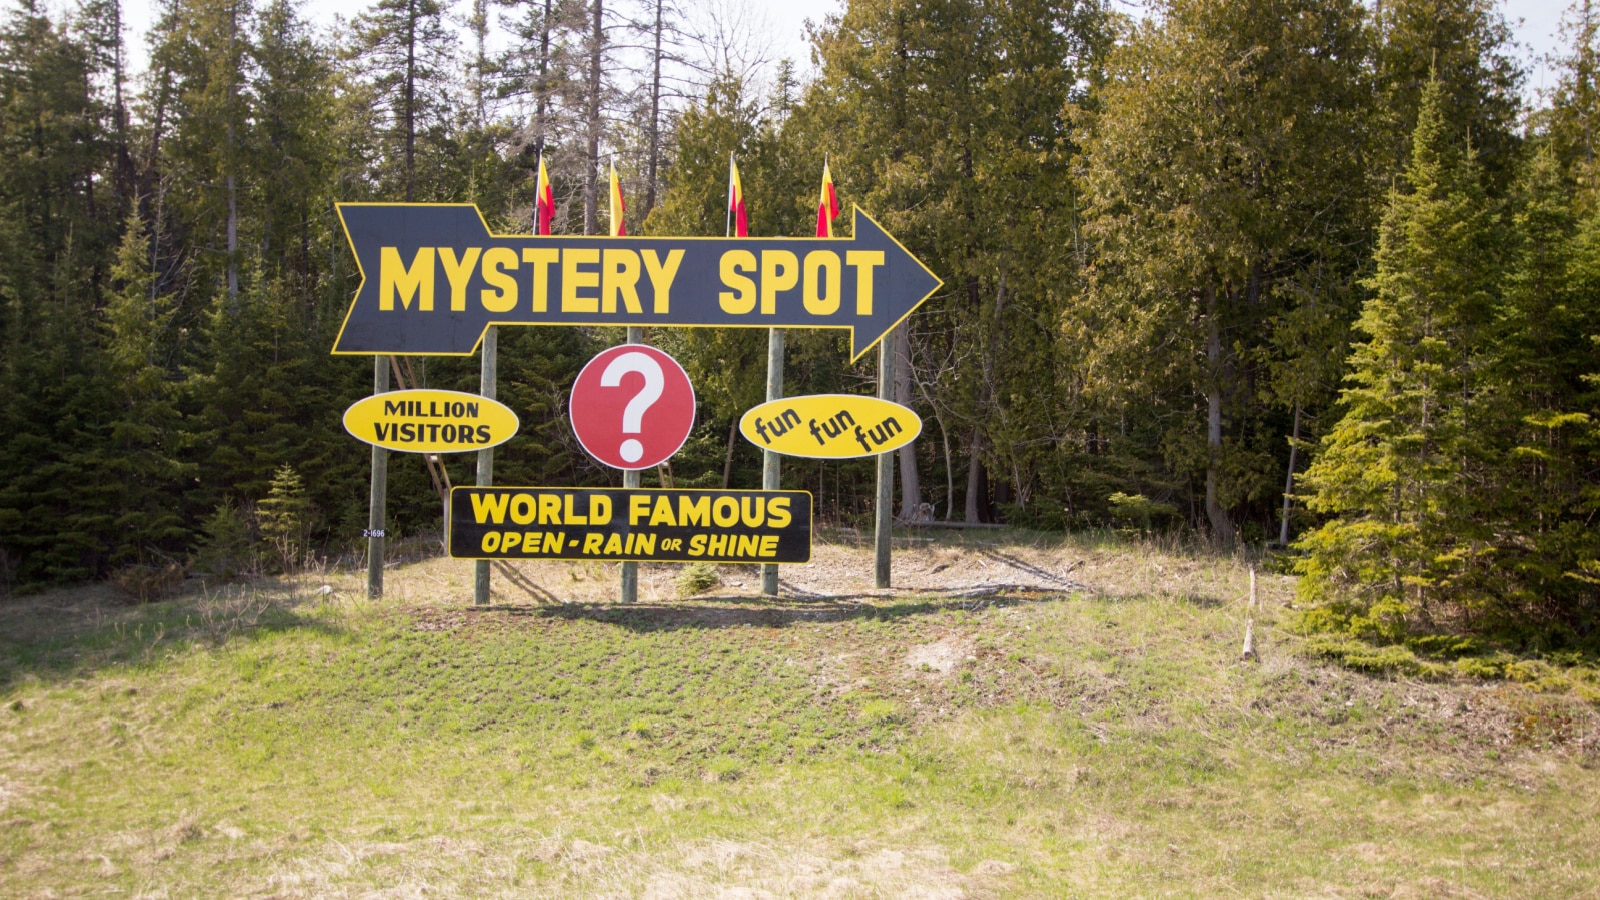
x: 434, y: 278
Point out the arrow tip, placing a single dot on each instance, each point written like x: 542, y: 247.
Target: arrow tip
x: 906, y: 282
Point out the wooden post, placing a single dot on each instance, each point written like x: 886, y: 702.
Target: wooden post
x: 630, y: 479
x: 377, y: 500
x: 885, y: 510
x: 1249, y: 651
x: 770, y: 480
x: 487, y: 385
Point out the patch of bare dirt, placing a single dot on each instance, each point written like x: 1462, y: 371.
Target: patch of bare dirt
x: 941, y: 656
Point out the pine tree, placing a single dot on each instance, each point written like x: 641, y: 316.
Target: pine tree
x: 1571, y: 122
x: 406, y: 52
x: 204, y: 47
x: 293, y: 154
x: 945, y: 119
x: 285, y: 515
x: 1543, y: 350
x: 146, y: 430
x: 58, y: 506
x: 1467, y: 46
x: 1402, y: 476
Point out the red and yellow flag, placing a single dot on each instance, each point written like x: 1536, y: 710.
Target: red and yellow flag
x: 544, y: 203
x: 619, y: 227
x: 827, y: 205
x: 741, y: 224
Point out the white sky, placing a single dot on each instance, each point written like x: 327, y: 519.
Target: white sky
x: 1535, y: 23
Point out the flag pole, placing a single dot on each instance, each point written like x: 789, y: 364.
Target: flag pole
x: 771, y: 471
x: 631, y: 478
x: 727, y: 229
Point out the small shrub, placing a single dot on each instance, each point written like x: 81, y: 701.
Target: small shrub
x: 1356, y: 654
x: 1491, y: 667
x: 880, y: 712
x: 285, y: 517
x: 149, y: 583
x: 1444, y: 646
x: 225, y: 551
x: 696, y: 579
x: 1138, y: 511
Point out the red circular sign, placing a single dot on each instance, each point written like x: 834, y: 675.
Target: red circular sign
x: 632, y: 407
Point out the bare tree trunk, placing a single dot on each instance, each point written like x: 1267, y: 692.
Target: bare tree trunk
x: 1288, y: 483
x: 974, y: 475
x: 541, y: 102
x: 985, y: 394
x: 727, y: 460
x: 126, y: 187
x: 479, y: 23
x: 591, y: 177
x: 409, y: 98
x: 654, y: 163
x: 949, y: 457
x: 910, y: 484
x: 949, y: 472
x: 1221, y: 525
x: 233, y: 240
x: 157, y: 187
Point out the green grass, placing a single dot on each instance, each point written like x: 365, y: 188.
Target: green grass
x: 1105, y: 742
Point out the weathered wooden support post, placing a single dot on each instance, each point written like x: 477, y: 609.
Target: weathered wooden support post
x: 630, y: 479
x: 770, y: 472
x: 488, y: 384
x: 1249, y: 651
x: 885, y: 506
x: 377, y: 500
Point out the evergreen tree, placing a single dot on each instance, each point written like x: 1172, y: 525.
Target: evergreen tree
x: 945, y: 119
x: 58, y: 501
x: 1467, y: 47
x: 1402, y: 475
x: 146, y: 428
x: 285, y: 516
x: 292, y: 150
x: 203, y: 47
x: 1226, y: 179
x: 1543, y: 348
x: 1570, y: 123
x: 406, y: 52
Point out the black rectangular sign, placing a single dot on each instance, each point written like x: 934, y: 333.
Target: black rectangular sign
x: 638, y: 524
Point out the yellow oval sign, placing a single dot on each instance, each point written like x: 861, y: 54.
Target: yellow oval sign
x: 429, y: 421
x: 830, y: 426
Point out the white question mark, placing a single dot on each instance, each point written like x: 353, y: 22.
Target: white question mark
x: 633, y: 414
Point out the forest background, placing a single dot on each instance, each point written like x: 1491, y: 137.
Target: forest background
x: 1305, y: 272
